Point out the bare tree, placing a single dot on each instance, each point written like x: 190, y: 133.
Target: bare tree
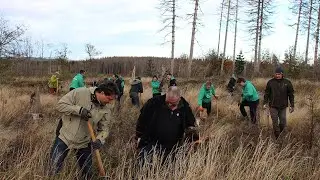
x: 194, y: 24
x: 259, y: 13
x: 235, y: 37
x: 27, y: 47
x: 9, y: 36
x: 168, y: 13
x: 308, y: 33
x: 225, y: 38
x: 91, y: 51
x: 317, y: 41
x: 221, y: 13
x: 296, y: 11
x: 62, y: 52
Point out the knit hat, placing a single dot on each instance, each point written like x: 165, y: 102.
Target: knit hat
x: 279, y: 70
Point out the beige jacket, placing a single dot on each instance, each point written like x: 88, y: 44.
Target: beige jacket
x: 74, y: 131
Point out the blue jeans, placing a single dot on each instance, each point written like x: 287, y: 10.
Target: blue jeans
x: 60, y: 151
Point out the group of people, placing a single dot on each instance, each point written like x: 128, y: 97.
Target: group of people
x: 166, y: 120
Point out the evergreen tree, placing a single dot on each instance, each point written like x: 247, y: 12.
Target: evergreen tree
x: 239, y: 64
x: 150, y: 68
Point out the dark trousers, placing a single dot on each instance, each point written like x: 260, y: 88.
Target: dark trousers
x: 135, y: 99
x: 146, y: 152
x: 156, y: 94
x: 253, y: 105
x: 279, y: 120
x: 207, y: 106
x: 60, y: 151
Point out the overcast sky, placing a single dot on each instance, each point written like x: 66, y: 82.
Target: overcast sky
x: 130, y: 28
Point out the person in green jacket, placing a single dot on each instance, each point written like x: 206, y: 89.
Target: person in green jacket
x: 155, y: 84
x: 205, y: 96
x: 250, y: 97
x: 78, y: 81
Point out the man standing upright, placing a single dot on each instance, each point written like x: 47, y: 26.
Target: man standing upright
x: 135, y: 91
x: 78, y: 80
x: 277, y: 93
x: 120, y: 84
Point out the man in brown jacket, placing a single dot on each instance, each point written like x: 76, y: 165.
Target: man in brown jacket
x: 77, y: 108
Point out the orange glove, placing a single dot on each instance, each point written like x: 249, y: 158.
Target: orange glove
x: 201, y: 108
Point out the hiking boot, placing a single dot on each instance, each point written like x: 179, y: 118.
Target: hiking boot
x: 244, y: 118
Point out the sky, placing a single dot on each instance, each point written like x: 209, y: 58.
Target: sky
x: 131, y: 28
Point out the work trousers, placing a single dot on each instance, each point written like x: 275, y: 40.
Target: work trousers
x: 60, y: 151
x: 279, y: 120
x: 253, y: 105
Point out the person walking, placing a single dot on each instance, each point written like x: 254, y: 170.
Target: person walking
x: 135, y: 91
x: 77, y: 108
x: 155, y: 84
x: 163, y: 122
x: 53, y: 83
x: 231, y: 85
x: 250, y: 97
x: 277, y: 93
x: 205, y: 96
x: 78, y: 80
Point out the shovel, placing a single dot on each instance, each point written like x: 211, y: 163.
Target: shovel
x: 96, y: 152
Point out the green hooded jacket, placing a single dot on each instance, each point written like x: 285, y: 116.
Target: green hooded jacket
x: 77, y: 81
x: 155, y: 87
x: 249, y: 92
x: 205, y: 95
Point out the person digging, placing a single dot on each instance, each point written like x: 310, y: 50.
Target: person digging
x: 77, y: 108
x: 277, y: 93
x: 250, y: 97
x: 206, y: 93
x: 163, y: 124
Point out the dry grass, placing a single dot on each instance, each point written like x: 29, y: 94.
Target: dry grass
x: 234, y: 149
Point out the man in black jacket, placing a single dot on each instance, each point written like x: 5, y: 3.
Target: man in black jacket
x: 277, y: 93
x: 172, y: 80
x: 135, y: 91
x: 118, y: 82
x: 165, y: 121
x: 231, y: 85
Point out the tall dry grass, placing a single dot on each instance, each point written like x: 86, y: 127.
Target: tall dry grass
x: 233, y: 150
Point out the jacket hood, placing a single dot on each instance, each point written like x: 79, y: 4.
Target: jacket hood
x: 136, y: 81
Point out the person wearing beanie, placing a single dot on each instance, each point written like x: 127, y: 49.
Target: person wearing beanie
x: 250, y: 97
x: 231, y: 85
x: 277, y: 93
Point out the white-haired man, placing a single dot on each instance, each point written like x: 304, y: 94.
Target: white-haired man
x: 164, y: 122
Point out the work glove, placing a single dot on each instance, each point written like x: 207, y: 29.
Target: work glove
x: 216, y: 96
x: 192, y: 133
x: 265, y: 106
x: 291, y: 109
x: 85, y: 114
x: 201, y: 108
x: 96, y: 144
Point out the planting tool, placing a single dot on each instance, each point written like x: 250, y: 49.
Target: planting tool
x: 217, y: 109
x: 57, y: 92
x: 96, y: 152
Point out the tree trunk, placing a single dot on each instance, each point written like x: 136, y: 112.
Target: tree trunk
x: 260, y: 35
x: 194, y: 23
x: 222, y: 5
x: 297, y: 31
x: 235, y: 38
x: 173, y: 34
x: 256, y: 63
x: 225, y: 39
x: 317, y: 42
x: 308, y: 34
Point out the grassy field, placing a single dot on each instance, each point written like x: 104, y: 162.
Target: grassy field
x: 234, y: 150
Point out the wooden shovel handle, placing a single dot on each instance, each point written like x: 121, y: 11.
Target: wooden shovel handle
x: 96, y: 152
